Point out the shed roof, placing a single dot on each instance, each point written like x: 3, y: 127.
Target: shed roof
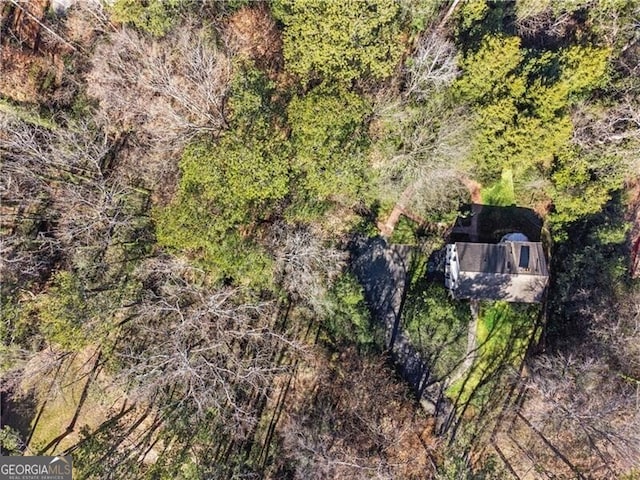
x: 511, y: 271
x: 514, y: 258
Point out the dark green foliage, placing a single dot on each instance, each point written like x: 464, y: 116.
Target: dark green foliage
x: 236, y: 177
x: 231, y: 186
x: 534, y: 116
x: 329, y: 141
x: 340, y: 41
x: 437, y: 326
x: 522, y: 100
x: 582, y: 184
x: 591, y: 270
x: 228, y: 186
x: 476, y: 18
x: 348, y: 319
x: 151, y: 16
x: 405, y: 232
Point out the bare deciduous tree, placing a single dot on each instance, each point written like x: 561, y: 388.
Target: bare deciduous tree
x: 432, y: 160
x: 160, y: 94
x: 306, y: 263
x: 534, y: 17
x: 169, y: 89
x: 350, y: 420
x: 579, y: 416
x: 611, y: 130
x: 65, y: 198
x: 433, y: 137
x: 619, y: 334
x: 432, y: 66
x: 212, y: 347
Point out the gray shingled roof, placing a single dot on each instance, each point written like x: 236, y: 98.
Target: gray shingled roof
x: 511, y: 271
x: 502, y: 258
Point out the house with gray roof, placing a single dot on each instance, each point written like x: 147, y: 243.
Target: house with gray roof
x: 514, y: 270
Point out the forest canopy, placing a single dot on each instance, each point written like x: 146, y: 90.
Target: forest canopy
x: 223, y: 237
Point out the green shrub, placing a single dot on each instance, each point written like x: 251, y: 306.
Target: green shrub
x: 63, y: 313
x: 151, y: 16
x: 404, y: 232
x: 437, y: 326
x: 229, y: 186
x: 582, y: 184
x: 329, y: 141
x: 348, y: 319
x: 340, y: 41
x: 521, y: 99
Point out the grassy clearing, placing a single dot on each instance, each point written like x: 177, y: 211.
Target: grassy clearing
x: 59, y: 404
x: 501, y: 193
x: 503, y: 335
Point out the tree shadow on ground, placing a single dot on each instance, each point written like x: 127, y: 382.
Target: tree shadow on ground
x: 489, y: 223
x: 588, y: 268
x: 18, y: 409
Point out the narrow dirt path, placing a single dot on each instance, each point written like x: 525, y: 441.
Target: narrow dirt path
x: 473, y: 187
x: 472, y: 345
x: 401, y: 207
x: 386, y: 228
x: 452, y: 9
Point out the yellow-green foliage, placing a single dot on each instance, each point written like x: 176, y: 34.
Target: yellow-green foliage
x: 26, y: 114
x: 230, y: 185
x: 582, y: 184
x: 492, y: 73
x: 10, y: 441
x: 583, y: 69
x: 472, y: 11
x: 235, y: 174
x: 474, y: 19
x: 340, y: 41
x: 328, y: 138
x: 348, y: 319
x: 521, y: 99
x: 152, y: 16
x: 63, y: 312
x: 225, y: 187
x: 501, y: 193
